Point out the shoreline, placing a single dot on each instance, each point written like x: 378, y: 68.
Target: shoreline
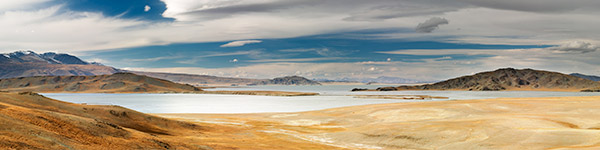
x: 516, y: 89
x: 257, y: 93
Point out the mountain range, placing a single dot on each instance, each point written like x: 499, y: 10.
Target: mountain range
x: 381, y: 79
x: 32, y: 57
x: 204, y: 80
x: 589, y: 77
x: 508, y: 79
x: 29, y: 63
x: 114, y: 83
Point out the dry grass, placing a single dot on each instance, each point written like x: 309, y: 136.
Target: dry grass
x: 31, y: 121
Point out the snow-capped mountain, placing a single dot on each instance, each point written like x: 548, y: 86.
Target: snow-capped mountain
x: 29, y: 63
x: 32, y: 57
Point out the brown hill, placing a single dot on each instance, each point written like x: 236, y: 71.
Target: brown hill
x: 28, y: 69
x: 508, y: 79
x: 32, y: 121
x: 115, y: 83
x: 214, y: 80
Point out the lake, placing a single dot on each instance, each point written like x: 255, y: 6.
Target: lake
x: 332, y: 96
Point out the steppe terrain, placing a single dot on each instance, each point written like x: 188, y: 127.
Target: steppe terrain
x: 31, y: 121
x: 506, y: 123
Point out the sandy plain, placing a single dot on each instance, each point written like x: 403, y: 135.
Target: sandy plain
x: 32, y: 121
x: 504, y: 123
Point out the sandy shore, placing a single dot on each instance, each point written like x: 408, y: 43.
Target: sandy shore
x: 507, y: 123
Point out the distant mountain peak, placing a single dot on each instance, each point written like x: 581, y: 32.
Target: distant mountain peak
x: 28, y: 56
x: 589, y: 77
x: 291, y: 80
x: 29, y: 63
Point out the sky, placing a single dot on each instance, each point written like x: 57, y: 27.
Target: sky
x: 319, y: 39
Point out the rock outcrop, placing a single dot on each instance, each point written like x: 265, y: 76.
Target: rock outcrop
x: 290, y: 80
x: 508, y: 79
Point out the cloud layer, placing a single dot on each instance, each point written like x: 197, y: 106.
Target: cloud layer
x: 49, y: 25
x: 430, y: 25
x: 240, y: 43
x: 501, y: 22
x: 575, y: 47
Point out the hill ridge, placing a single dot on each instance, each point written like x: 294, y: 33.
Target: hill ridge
x: 508, y: 79
x: 589, y: 77
x: 114, y: 83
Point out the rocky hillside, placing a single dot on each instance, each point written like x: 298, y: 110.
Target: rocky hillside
x: 32, y: 121
x: 290, y: 80
x: 508, y: 79
x: 589, y: 77
x: 115, y: 83
x: 29, y: 63
x: 214, y: 80
x: 32, y: 57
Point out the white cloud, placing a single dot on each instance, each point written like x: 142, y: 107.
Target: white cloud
x: 300, y: 59
x: 19, y: 4
x: 445, y: 51
x: 320, y: 51
x: 155, y: 58
x: 240, y: 43
x: 214, y: 54
x: 258, y: 19
x: 147, y: 8
x: 575, y: 47
x: 98, y: 60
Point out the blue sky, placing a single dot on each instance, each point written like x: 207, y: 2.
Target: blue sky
x: 424, y: 39
x: 325, y: 48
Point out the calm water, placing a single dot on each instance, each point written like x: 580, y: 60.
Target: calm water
x: 332, y: 96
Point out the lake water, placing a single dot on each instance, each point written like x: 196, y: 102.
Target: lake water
x: 332, y: 96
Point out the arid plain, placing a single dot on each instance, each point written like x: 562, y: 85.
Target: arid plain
x: 505, y: 123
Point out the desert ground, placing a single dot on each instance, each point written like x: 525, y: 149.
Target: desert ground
x: 506, y: 123
x: 32, y: 121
